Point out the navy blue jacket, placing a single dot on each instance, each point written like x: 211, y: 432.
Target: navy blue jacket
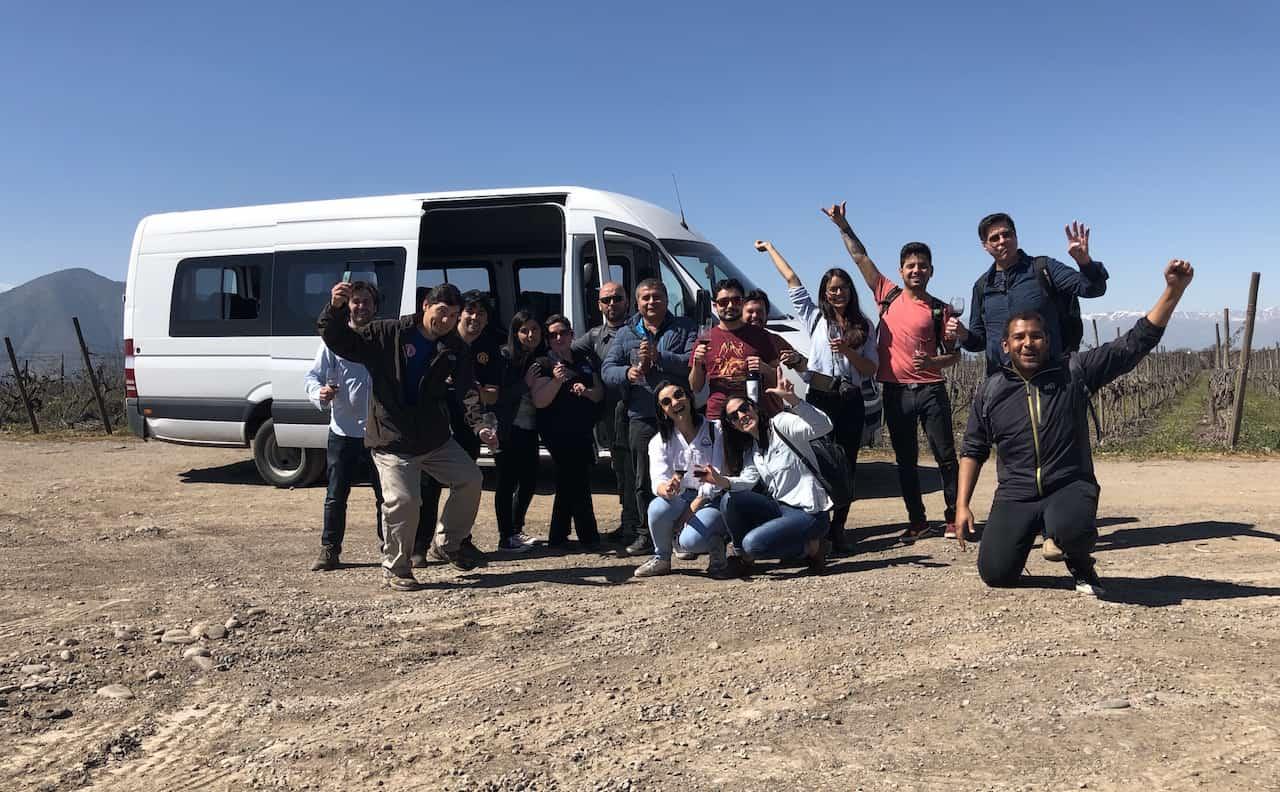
x: 674, y: 344
x: 1021, y: 291
x: 1040, y: 426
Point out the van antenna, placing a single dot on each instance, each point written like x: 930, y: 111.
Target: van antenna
x: 679, y: 202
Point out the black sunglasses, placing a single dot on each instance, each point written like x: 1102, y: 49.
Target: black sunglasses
x: 667, y: 401
x: 611, y: 299
x: 735, y: 415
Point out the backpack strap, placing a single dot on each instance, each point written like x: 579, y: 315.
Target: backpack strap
x: 938, y: 310
x: 889, y: 297
x: 1040, y: 266
x: 807, y: 463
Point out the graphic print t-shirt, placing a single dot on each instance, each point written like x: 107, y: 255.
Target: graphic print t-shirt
x: 418, y: 353
x: 726, y: 362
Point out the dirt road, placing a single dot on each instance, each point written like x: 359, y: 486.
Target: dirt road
x: 896, y: 669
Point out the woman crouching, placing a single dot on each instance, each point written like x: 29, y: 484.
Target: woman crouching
x: 792, y: 520
x: 684, y: 453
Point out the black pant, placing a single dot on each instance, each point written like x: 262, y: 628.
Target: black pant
x: 639, y: 432
x: 346, y: 456
x: 517, y: 462
x: 848, y: 413
x: 929, y: 406
x: 1068, y: 515
x: 624, y: 470
x: 429, y: 513
x: 574, y: 455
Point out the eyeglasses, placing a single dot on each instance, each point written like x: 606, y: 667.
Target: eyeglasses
x: 725, y: 302
x: 667, y: 401
x: 999, y: 235
x: 611, y: 299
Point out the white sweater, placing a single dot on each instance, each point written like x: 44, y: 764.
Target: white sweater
x: 786, y: 475
x: 708, y: 449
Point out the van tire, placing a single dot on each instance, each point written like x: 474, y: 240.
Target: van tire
x: 285, y: 467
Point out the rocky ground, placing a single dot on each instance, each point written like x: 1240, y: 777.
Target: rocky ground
x: 159, y: 630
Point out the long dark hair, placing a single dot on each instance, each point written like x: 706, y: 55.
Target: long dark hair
x: 513, y: 349
x: 853, y: 316
x: 666, y: 426
x: 737, y: 443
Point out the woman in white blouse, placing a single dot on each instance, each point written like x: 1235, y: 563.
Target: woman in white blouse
x: 790, y: 520
x: 842, y: 353
x: 681, y: 455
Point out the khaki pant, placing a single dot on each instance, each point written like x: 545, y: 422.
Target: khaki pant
x: 401, y: 476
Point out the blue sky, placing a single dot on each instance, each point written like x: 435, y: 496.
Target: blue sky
x: 1155, y: 124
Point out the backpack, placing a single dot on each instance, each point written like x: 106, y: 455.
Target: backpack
x: 833, y: 471
x: 937, y: 308
x: 1069, y: 319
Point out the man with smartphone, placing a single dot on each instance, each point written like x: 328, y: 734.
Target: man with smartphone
x: 913, y: 354
x: 341, y: 386
x: 412, y: 361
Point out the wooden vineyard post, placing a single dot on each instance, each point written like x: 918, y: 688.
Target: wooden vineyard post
x: 22, y: 386
x: 1217, y: 345
x: 93, y: 377
x: 1226, y: 338
x: 1242, y: 380
x: 1096, y: 343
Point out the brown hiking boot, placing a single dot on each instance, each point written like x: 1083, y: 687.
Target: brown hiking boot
x: 328, y: 559
x: 397, y: 583
x: 460, y: 560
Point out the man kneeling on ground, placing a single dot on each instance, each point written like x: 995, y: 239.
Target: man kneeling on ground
x: 1035, y: 411
x: 411, y: 361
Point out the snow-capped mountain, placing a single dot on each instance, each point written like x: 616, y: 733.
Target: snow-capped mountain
x: 1190, y: 329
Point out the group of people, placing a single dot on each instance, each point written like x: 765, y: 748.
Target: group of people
x: 757, y: 473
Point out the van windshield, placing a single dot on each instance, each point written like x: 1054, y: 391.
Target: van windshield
x: 707, y: 264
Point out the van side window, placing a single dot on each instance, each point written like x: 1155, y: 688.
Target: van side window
x: 619, y: 272
x: 303, y: 279
x: 466, y: 275
x: 538, y: 286
x: 222, y: 296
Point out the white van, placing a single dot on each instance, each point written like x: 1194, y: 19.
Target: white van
x: 221, y: 305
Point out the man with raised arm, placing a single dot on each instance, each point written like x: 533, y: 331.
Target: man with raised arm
x: 912, y: 357
x: 653, y: 346
x: 1016, y: 282
x: 611, y: 429
x: 1034, y: 411
x: 411, y: 362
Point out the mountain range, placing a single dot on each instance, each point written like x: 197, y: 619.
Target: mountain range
x: 36, y: 316
x: 1190, y: 329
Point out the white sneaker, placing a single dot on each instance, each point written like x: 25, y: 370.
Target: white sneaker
x: 653, y: 567
x: 515, y: 543
x: 525, y: 539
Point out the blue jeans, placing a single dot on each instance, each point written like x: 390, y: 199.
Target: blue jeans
x: 763, y: 528
x: 346, y: 455
x: 699, y: 533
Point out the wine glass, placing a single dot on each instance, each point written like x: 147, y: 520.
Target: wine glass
x: 957, y: 306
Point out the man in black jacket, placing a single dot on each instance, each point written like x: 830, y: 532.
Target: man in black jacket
x: 412, y: 361
x: 1035, y: 411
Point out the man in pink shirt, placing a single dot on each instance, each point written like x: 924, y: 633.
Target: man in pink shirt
x: 912, y: 355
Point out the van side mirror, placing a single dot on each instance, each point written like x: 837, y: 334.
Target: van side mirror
x: 702, y: 307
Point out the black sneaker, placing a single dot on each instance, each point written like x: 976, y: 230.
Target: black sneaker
x: 643, y: 545
x: 473, y: 554
x: 460, y: 560
x: 1086, y: 578
x: 328, y: 559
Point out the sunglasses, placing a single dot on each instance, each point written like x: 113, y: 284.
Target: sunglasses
x: 667, y: 401
x: 736, y: 415
x: 611, y: 299
x: 725, y: 302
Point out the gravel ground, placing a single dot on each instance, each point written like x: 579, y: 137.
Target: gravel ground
x: 159, y: 630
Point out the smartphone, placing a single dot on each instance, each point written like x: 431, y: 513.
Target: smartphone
x: 346, y: 276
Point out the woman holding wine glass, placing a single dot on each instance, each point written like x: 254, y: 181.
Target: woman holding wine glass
x: 686, y: 447
x: 842, y: 354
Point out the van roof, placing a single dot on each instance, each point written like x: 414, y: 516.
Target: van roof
x: 658, y: 220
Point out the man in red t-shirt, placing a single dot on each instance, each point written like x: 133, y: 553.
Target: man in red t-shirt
x: 912, y: 356
x: 732, y: 352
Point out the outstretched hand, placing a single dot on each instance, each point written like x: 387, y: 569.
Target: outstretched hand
x: 837, y: 214
x: 1078, y: 242
x: 784, y: 390
x: 1178, y: 274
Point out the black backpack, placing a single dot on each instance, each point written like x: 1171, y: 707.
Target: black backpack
x: 833, y: 471
x: 1072, y: 325
x: 937, y: 308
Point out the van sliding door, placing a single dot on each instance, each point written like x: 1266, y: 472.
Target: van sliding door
x: 681, y: 288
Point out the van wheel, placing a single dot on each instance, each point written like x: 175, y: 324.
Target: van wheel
x: 285, y: 467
